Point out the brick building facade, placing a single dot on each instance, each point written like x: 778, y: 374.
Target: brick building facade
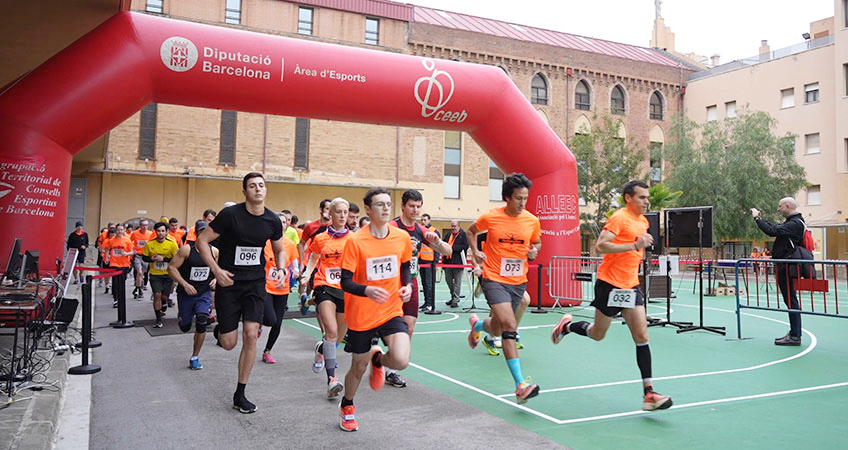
x: 177, y: 161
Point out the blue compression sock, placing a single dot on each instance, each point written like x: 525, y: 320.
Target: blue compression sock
x: 515, y: 369
x: 478, y: 325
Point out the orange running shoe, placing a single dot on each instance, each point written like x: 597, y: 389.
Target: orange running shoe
x: 378, y: 374
x: 525, y: 391
x: 473, y: 336
x: 654, y: 401
x: 347, y: 418
x: 561, y: 329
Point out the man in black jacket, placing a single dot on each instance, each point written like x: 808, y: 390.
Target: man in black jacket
x: 453, y: 276
x: 78, y: 239
x: 788, y: 235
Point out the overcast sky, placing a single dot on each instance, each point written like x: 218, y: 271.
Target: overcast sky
x: 730, y: 28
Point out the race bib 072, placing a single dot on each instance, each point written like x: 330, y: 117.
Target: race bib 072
x: 381, y: 268
x: 247, y: 256
x: 198, y: 274
x: 622, y: 298
x: 512, y: 267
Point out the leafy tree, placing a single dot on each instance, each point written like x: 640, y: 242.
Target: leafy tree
x: 605, y: 163
x: 733, y: 165
x: 662, y: 197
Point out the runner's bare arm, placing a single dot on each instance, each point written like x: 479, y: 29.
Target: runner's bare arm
x: 174, y: 269
x: 605, y: 244
x: 471, y: 235
x: 313, y: 260
x: 206, y: 236
x: 436, y: 243
x: 280, y: 254
x: 535, y: 248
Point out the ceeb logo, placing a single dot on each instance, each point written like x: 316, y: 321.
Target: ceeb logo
x: 178, y: 54
x: 5, y: 189
x: 433, y: 92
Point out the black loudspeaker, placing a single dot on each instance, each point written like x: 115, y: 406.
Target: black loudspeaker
x: 67, y: 310
x: 31, y: 270
x: 654, y: 230
x: 681, y: 227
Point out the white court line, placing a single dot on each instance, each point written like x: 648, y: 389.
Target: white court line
x: 502, y: 399
x: 813, y: 343
x: 706, y: 402
x: 453, y: 317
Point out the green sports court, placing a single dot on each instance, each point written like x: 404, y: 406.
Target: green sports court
x: 727, y: 392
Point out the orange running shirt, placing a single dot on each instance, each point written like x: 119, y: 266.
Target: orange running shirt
x: 622, y: 269
x: 139, y: 239
x: 328, y: 270
x: 191, y: 235
x: 375, y: 262
x: 177, y: 235
x: 115, y: 246
x: 271, y: 263
x: 507, y: 244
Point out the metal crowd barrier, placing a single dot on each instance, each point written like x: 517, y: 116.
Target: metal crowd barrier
x: 819, y: 294
x: 571, y: 279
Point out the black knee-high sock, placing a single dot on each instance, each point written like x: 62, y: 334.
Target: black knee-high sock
x: 643, y: 359
x: 581, y: 328
x: 158, y: 314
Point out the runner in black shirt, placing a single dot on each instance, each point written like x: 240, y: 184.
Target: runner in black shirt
x: 240, y: 273
x: 194, y: 291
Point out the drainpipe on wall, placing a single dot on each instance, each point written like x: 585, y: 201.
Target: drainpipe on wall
x: 264, y: 144
x: 397, y: 156
x: 568, y: 72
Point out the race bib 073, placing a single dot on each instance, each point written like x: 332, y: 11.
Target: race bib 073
x: 512, y: 267
x: 247, y: 256
x: 622, y: 298
x: 381, y: 268
x: 198, y: 274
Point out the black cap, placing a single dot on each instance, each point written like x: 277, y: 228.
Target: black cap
x: 200, y: 225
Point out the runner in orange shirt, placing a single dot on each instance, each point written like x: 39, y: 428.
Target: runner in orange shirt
x: 375, y: 278
x: 622, y: 241
x: 514, y: 238
x: 326, y: 261
x: 119, y: 251
x: 208, y: 217
x: 174, y: 230
x: 140, y: 237
x: 277, y: 293
x: 101, y: 252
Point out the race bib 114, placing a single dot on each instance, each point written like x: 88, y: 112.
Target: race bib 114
x: 381, y: 268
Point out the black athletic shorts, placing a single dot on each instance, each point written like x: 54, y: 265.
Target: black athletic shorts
x: 360, y: 341
x: 496, y: 292
x: 326, y: 293
x: 161, y: 284
x: 602, y: 292
x: 244, y: 300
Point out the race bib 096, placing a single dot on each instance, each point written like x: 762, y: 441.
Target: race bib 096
x: 247, y: 256
x: 381, y: 268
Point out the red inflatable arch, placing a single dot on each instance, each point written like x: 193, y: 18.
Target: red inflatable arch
x: 133, y: 59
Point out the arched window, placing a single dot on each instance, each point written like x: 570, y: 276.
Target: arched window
x: 617, y: 104
x: 581, y: 96
x: 656, y: 106
x: 539, y: 90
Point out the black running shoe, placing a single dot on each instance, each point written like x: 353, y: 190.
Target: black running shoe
x: 243, y: 405
x: 393, y: 379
